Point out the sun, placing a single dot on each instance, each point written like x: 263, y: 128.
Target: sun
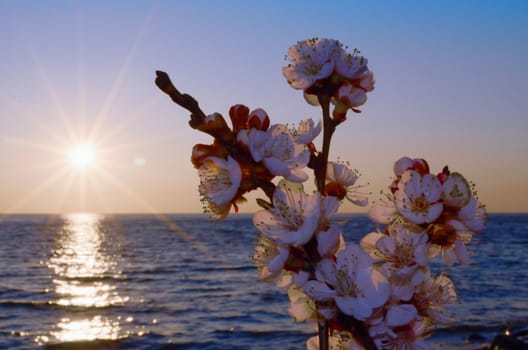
x: 83, y: 156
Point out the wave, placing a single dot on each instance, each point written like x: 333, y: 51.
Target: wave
x: 85, y: 345
x: 51, y: 305
x: 483, y: 328
x: 92, y: 279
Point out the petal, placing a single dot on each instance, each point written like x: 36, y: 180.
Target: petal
x: 328, y: 241
x: 368, y: 244
x: 356, y: 307
x: 300, y: 278
x: 331, y: 204
x: 401, y: 165
x: 353, y: 259
x: 382, y: 213
x: 319, y: 291
x: 461, y: 252
x: 374, y: 287
x: 434, y: 212
x: 297, y: 175
x: 325, y: 272
x: 400, y: 315
x: 276, y: 166
x: 431, y: 187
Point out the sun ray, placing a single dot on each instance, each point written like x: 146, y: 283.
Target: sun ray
x: 202, y: 248
x: 53, y: 95
x: 37, y: 190
x: 118, y: 82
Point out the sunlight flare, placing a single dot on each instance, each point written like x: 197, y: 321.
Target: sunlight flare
x: 83, y: 156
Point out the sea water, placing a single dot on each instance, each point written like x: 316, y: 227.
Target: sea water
x: 87, y: 281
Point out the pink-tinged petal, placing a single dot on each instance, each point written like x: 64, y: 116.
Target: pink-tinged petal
x: 461, y: 252
x: 434, y: 212
x: 301, y: 309
x: 368, y: 244
x: 456, y: 191
x: 433, y: 250
x: 285, y: 281
x: 400, y: 315
x: 331, y: 204
x: 312, y: 343
x: 319, y: 291
x: 450, y: 257
x: 431, y: 187
x: 402, y: 292
x: 411, y: 183
x: 374, y: 286
x: 356, y: 307
x: 420, y: 254
x: 473, y: 215
x: 328, y: 241
x: 418, y: 277
x: 257, y: 139
x: 298, y: 175
x: 311, y: 221
x: 277, y: 263
x: 386, y: 245
x: 276, y: 166
x: 326, y: 271
x: 382, y: 213
x: 267, y: 275
x: 402, y: 165
x: 353, y: 259
x: 357, y: 198
x: 300, y: 278
x: 307, y: 132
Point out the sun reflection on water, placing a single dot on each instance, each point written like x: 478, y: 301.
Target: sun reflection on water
x: 84, y: 278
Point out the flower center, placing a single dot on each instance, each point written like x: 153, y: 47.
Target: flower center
x: 419, y: 204
x: 344, y: 286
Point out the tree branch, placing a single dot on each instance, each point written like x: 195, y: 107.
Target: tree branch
x: 184, y: 100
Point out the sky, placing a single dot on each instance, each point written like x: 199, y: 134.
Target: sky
x: 451, y: 87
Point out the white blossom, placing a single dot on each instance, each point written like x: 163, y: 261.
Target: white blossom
x: 418, y: 197
x: 403, y: 254
x: 270, y: 258
x: 311, y: 60
x: 281, y: 155
x: 219, y: 183
x: 346, y: 178
x: 351, y: 281
x: 307, y: 131
x: 294, y: 217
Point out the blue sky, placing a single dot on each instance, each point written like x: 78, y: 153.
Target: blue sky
x: 451, y: 81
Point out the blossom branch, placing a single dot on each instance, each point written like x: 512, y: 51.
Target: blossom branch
x: 186, y: 101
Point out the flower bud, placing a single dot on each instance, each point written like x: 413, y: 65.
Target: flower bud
x: 216, y: 126
x: 200, y: 152
x: 239, y: 115
x: 258, y: 119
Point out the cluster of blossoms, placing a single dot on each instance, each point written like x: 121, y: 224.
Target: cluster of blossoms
x: 378, y: 293
x: 248, y: 156
x: 321, y: 64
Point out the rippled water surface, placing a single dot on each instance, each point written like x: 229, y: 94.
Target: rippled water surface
x: 183, y: 282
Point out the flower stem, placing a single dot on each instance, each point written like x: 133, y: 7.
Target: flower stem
x: 329, y: 126
x: 320, y: 176
x: 322, y: 326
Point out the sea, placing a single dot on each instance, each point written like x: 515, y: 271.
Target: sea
x: 87, y: 281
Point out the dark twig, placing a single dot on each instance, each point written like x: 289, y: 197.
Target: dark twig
x: 184, y: 100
